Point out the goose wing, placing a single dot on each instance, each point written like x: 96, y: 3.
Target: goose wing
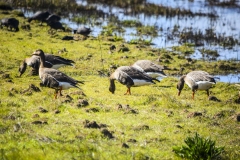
x: 134, y: 73
x: 201, y: 76
x: 49, y: 81
x: 57, y: 60
x: 149, y: 66
x: 59, y: 76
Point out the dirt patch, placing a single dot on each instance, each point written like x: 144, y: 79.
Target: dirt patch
x: 82, y: 103
x: 124, y: 145
x: 194, y: 114
x: 88, y: 124
x: 127, y: 109
x: 142, y: 127
x: 42, y: 110
x: 67, y: 99
x: 39, y: 122
x: 213, y: 98
x: 107, y: 133
x: 132, y: 140
x: 30, y: 89
x: 92, y: 110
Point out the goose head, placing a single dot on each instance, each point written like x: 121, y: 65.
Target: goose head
x: 180, y: 84
x: 38, y: 52
x: 112, y: 86
x: 22, y: 68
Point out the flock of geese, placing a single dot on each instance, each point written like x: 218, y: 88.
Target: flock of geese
x: 142, y: 72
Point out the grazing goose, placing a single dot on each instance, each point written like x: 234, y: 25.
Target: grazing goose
x: 56, y: 25
x: 196, y: 80
x: 40, y: 16
x: 53, y: 18
x: 83, y: 31
x: 129, y: 76
x: 152, y: 69
x: 51, y: 61
x: 53, y: 78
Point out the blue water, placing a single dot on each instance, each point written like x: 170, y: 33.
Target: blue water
x: 227, y: 24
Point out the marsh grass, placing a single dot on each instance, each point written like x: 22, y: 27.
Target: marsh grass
x: 151, y: 121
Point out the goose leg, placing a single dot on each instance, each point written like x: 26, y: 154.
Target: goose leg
x: 60, y: 91
x: 193, y: 95
x: 55, y: 94
x: 128, y: 92
x: 207, y: 92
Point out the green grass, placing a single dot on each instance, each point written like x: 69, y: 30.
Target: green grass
x: 156, y: 121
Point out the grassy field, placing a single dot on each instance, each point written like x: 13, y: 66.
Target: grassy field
x: 144, y: 125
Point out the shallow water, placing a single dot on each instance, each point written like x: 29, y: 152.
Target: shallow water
x: 227, y: 24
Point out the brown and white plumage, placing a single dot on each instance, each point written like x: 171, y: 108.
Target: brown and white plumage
x: 130, y: 77
x: 51, y: 61
x: 152, y: 69
x: 196, y: 80
x: 53, y: 78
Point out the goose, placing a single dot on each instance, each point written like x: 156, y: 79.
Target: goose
x: 83, y: 31
x: 56, y: 25
x: 53, y: 78
x: 53, y: 18
x: 130, y: 77
x: 51, y: 61
x: 40, y: 16
x: 196, y: 80
x: 152, y: 69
